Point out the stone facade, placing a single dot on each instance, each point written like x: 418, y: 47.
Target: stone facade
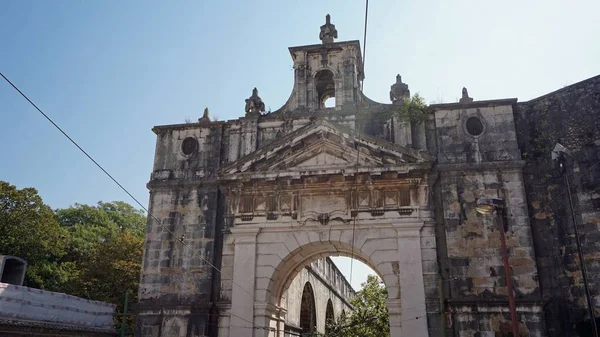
x: 571, y: 117
x: 263, y: 196
x: 475, y: 161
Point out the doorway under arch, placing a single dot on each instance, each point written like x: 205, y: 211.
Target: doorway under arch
x: 329, y: 316
x: 308, y: 310
x: 393, y: 252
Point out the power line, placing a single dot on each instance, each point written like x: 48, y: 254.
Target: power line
x: 364, y: 45
x: 181, y: 240
x: 358, y: 150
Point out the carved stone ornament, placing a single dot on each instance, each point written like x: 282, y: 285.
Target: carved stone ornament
x: 328, y: 32
x: 205, y: 117
x: 254, y: 104
x: 399, y: 91
x: 465, y: 97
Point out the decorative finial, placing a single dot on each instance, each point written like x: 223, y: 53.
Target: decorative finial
x: 465, y: 97
x: 254, y: 104
x: 328, y: 31
x: 399, y: 91
x: 205, y: 117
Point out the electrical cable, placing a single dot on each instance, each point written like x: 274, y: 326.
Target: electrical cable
x: 357, y: 148
x: 364, y: 45
x: 181, y: 240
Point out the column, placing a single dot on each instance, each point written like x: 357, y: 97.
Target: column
x: 395, y: 315
x: 271, y: 317
x: 412, y: 288
x: 244, y: 269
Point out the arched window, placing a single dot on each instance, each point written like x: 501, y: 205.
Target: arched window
x: 329, y: 317
x: 308, y: 312
x: 325, y: 88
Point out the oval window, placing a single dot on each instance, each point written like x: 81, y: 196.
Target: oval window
x: 189, y: 145
x: 474, y: 126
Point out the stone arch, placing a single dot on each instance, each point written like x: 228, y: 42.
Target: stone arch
x: 335, y: 73
x: 325, y: 86
x: 308, y: 310
x: 275, y: 255
x: 378, y: 249
x: 329, y: 315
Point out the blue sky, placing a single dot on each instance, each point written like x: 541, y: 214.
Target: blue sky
x: 107, y: 71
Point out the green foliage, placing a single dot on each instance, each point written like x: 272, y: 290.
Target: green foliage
x: 104, y: 251
x: 94, y: 252
x: 89, y: 225
x: 369, y: 317
x: 411, y: 110
x: 113, y: 268
x: 31, y: 231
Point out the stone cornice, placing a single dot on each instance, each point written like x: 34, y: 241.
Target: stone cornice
x: 473, y: 105
x: 494, y: 166
x: 158, y: 184
x: 401, y: 169
x: 319, y: 47
x: 533, y: 305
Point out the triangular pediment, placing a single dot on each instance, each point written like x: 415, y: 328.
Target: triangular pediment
x: 323, y: 147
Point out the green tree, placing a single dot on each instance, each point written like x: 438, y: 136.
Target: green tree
x: 88, y: 225
x: 30, y: 230
x: 369, y: 317
x: 105, y: 251
x: 112, y: 270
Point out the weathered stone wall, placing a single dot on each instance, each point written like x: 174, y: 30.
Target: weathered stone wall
x: 482, y: 160
x: 481, y: 149
x: 177, y: 287
x: 571, y: 117
x: 179, y: 291
x: 328, y: 284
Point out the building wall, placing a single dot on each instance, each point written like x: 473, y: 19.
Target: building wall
x: 487, y: 165
x: 571, y: 117
x: 177, y: 286
x: 511, y: 159
x: 327, y: 283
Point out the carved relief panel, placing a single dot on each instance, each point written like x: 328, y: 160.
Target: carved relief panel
x: 320, y: 202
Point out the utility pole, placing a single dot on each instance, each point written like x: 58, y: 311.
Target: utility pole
x: 122, y: 333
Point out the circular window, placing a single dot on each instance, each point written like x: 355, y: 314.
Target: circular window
x: 189, y: 145
x: 474, y: 126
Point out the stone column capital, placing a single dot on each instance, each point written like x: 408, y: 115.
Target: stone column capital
x: 244, y: 235
x: 270, y: 310
x: 409, y: 229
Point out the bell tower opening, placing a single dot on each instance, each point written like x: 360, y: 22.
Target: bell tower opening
x: 326, y: 75
x: 325, y: 88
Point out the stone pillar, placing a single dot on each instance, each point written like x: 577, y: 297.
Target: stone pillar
x: 414, y: 316
x: 281, y: 316
x: 402, y: 132
x: 271, y: 317
x: 224, y: 322
x: 395, y: 314
x: 244, y: 270
x: 249, y: 134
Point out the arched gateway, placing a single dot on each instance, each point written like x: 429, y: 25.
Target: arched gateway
x: 324, y: 190
x: 262, y: 196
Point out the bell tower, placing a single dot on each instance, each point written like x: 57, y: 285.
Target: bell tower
x: 326, y: 72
